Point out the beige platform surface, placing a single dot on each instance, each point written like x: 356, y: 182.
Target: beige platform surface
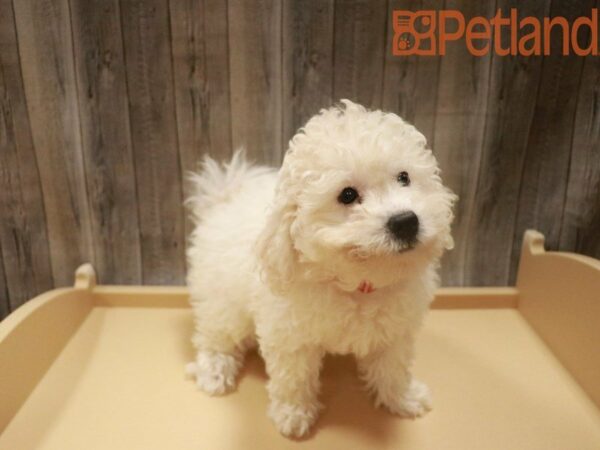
x: 119, y: 384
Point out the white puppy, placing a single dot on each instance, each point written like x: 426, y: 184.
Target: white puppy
x: 335, y: 253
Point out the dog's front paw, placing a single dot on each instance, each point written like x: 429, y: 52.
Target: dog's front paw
x: 292, y: 420
x: 215, y: 373
x: 412, y: 403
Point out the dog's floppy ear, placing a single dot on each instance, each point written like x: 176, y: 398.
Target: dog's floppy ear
x: 449, y: 243
x: 276, y: 251
x: 452, y: 198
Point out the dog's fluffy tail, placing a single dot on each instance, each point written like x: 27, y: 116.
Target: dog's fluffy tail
x: 216, y: 182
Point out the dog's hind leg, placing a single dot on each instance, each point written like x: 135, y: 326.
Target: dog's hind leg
x: 221, y: 339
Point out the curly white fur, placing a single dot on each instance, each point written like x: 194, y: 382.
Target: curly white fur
x: 276, y: 258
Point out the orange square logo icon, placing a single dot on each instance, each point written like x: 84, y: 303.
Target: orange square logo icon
x: 414, y: 33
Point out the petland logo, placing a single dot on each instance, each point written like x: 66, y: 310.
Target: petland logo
x: 428, y: 33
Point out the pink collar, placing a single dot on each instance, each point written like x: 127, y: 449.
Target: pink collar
x: 366, y: 287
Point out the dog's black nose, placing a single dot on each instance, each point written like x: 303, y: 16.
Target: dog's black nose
x: 404, y: 226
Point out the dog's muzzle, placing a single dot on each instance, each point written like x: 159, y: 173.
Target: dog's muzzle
x: 404, y: 227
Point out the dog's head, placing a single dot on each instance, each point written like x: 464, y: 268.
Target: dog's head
x: 359, y: 197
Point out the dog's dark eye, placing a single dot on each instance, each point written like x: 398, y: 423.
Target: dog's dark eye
x: 403, y: 178
x: 347, y: 196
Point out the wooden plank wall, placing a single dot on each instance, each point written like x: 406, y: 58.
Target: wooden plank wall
x: 106, y: 104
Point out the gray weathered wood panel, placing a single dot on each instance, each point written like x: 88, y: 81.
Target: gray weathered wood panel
x: 307, y: 62
x: 201, y: 80
x: 463, y: 90
x: 106, y: 142
x: 544, y: 177
x: 105, y: 104
x: 410, y: 83
x: 201, y: 68
x: 46, y: 54
x: 24, y: 249
x: 255, y: 65
x: 509, y: 116
x: 146, y: 36
x: 580, y: 230
x: 359, y: 45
